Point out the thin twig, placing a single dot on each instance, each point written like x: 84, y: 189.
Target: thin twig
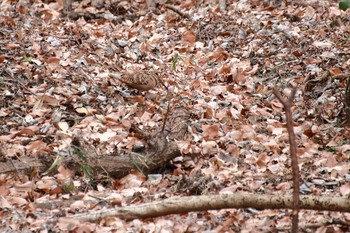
x: 178, y: 11
x: 161, y: 82
x: 166, y: 115
x: 11, y: 75
x: 287, y: 104
x: 347, y: 103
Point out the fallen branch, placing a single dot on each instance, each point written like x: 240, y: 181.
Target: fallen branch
x: 160, y: 149
x: 178, y: 11
x: 113, y: 166
x: 180, y: 205
x: 347, y: 102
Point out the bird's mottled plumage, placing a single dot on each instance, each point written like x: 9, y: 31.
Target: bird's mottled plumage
x: 141, y: 80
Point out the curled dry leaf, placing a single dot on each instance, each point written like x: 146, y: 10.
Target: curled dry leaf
x: 86, y: 111
x: 345, y: 189
x: 36, y: 147
x: 189, y: 36
x: 210, y: 131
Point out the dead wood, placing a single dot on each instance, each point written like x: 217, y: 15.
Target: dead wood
x: 160, y: 149
x: 26, y: 165
x: 178, y: 11
x: 180, y: 205
x: 347, y: 102
x: 287, y: 104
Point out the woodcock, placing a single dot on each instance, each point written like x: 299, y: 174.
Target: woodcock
x: 141, y: 80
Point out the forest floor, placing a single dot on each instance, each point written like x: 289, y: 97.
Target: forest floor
x: 219, y: 62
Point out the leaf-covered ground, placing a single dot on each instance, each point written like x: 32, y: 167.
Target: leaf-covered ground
x: 221, y: 64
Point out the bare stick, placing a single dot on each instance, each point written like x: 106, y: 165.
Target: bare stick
x: 178, y: 11
x: 166, y: 116
x: 347, y: 103
x: 180, y: 205
x: 287, y: 104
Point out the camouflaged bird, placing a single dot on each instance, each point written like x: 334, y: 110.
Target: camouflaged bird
x: 141, y: 80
